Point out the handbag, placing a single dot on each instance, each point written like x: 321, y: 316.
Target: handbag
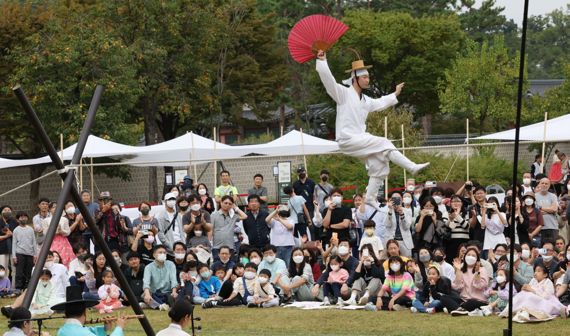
x: 300, y: 216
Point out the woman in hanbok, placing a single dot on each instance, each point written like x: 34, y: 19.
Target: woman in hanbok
x: 45, y: 295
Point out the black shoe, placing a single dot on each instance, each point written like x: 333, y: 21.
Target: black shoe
x: 333, y: 301
x: 251, y: 305
x: 209, y: 304
x: 7, y: 311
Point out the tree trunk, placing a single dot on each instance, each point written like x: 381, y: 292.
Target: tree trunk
x: 426, y: 124
x: 35, y: 172
x: 151, y: 137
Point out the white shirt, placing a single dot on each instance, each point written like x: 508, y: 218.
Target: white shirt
x: 14, y: 332
x: 448, y: 271
x: 59, y: 279
x: 172, y: 330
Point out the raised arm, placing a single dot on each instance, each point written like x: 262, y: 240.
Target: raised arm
x: 334, y: 90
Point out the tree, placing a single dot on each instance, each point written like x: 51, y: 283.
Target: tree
x: 401, y: 48
x: 487, y: 21
x: 481, y: 85
x: 58, y: 67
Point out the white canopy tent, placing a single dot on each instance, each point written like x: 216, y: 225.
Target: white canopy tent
x: 296, y: 143
x: 557, y: 130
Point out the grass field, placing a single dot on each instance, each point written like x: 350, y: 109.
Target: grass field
x: 291, y: 321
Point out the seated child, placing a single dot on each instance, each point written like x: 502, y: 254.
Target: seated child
x: 264, y: 294
x: 498, y: 294
x: 109, y: 294
x: 337, y: 277
x: 45, y: 296
x: 189, y: 280
x: 209, y: 284
x: 242, y: 292
x: 5, y: 284
x: 370, y: 238
x: 399, y: 286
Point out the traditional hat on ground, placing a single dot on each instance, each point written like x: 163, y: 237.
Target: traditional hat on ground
x: 74, y: 301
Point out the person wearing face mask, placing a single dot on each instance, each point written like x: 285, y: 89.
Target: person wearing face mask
x: 369, y: 238
x: 23, y: 251
x: 519, y: 224
x: 301, y: 277
x: 60, y: 278
x: 143, y: 244
x: 430, y: 225
x: 522, y: 270
x: 178, y: 257
x: 145, y: 222
x: 494, y: 222
x: 224, y: 261
x: 199, y: 240
x: 547, y: 258
x: 281, y: 232
x: 459, y: 225
x: 206, y: 201
x: 368, y: 277
x: 348, y: 262
x: 174, y: 230
x: 337, y: 218
x: 532, y: 215
x: 547, y: 202
x: 305, y: 187
x: 60, y: 242
x: 379, y: 217
x: 471, y: 281
x: 168, y: 221
x: 399, y: 287
x: 526, y: 186
x: 298, y: 215
x: 437, y: 287
x: 445, y: 268
x: 159, y: 281
x: 181, y: 315
x: 276, y: 266
x: 398, y: 224
x: 197, y: 216
x: 322, y: 190
x: 498, y: 293
x: 264, y: 295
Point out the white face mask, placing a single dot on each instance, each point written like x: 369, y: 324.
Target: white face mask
x: 195, y: 207
x: 547, y: 258
x: 262, y: 280
x: 255, y: 260
x: 249, y: 275
x: 526, y: 181
x: 161, y: 257
x: 171, y: 203
x: 269, y: 259
x: 298, y: 259
x: 407, y: 200
x: 525, y: 254
x: 528, y: 201
x: 501, y: 279
x: 48, y: 264
x: 2, y: 274
x: 179, y: 256
x: 327, y: 203
x: 337, y: 200
x: 198, y: 233
x: 175, y: 193
x: 410, y: 188
x: 437, y: 199
x: 395, y: 267
x: 342, y: 250
x: 567, y: 256
x: 470, y: 260
x: 516, y: 256
x: 202, y: 192
x: 335, y: 268
x: 55, y: 260
x: 70, y: 210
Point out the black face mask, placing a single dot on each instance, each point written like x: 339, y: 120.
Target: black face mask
x: 284, y: 214
x: 324, y: 178
x: 438, y: 258
x: 183, y: 208
x: 145, y: 211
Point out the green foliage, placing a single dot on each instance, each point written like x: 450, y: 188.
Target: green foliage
x: 396, y: 117
x: 480, y: 86
x: 401, y: 49
x: 259, y: 139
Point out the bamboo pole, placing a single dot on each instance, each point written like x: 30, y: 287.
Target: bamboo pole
x: 193, y: 156
x: 81, y: 174
x: 544, y: 142
x: 215, y: 162
x: 386, y: 136
x: 468, y: 152
x: 92, y: 181
x: 303, y: 151
x: 61, y: 154
x: 403, y: 152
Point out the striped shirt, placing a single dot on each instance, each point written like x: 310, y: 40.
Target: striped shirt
x: 395, y: 283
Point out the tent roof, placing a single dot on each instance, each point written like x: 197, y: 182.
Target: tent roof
x: 556, y: 130
x: 296, y: 143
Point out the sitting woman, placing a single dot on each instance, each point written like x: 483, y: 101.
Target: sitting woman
x: 45, y: 295
x: 471, y: 280
x: 301, y: 276
x: 399, y: 286
x: 428, y: 225
x: 368, y: 276
x: 438, y: 287
x: 538, y: 295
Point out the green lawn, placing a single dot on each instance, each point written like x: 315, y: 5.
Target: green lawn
x: 291, y: 321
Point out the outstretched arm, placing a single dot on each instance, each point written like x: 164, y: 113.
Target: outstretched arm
x: 335, y: 90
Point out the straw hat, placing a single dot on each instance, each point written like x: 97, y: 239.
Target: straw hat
x: 358, y: 65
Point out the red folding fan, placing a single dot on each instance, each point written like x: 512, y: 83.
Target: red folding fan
x: 313, y: 33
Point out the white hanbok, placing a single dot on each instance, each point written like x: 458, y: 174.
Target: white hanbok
x: 351, y: 113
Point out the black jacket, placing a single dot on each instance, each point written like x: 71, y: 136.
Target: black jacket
x: 256, y: 229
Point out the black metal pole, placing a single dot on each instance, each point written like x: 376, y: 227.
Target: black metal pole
x: 70, y: 188
x: 509, y: 330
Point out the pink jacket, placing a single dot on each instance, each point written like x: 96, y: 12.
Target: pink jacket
x: 471, y: 288
x: 339, y: 276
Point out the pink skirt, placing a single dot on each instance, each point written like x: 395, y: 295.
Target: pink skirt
x: 61, y: 245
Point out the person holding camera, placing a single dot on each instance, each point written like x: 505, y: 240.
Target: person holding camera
x: 398, y: 224
x: 494, y: 223
x: 281, y: 232
x: 429, y: 224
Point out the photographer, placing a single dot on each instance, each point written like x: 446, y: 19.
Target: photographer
x: 466, y: 193
x: 398, y: 224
